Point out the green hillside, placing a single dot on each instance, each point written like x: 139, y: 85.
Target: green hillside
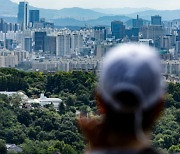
x: 45, y: 130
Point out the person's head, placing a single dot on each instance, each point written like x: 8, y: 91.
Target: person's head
x: 130, y: 90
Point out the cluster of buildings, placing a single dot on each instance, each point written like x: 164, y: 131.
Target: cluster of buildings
x: 89, y: 64
x: 36, y: 43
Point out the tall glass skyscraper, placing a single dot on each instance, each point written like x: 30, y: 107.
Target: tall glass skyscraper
x: 40, y: 38
x: 23, y: 14
x: 118, y: 29
x: 33, y: 16
x: 156, y: 20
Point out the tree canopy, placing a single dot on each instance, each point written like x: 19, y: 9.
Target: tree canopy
x: 45, y: 130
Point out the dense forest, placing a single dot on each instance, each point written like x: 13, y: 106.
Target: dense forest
x: 46, y: 131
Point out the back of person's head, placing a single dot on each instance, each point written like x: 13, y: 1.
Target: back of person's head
x: 129, y: 92
x: 135, y: 69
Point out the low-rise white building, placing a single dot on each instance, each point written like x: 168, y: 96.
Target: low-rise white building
x: 146, y: 41
x: 13, y: 148
x: 9, y: 94
x: 43, y: 100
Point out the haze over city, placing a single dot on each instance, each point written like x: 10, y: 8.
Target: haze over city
x: 59, y: 4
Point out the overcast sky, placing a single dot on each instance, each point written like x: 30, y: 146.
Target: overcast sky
x: 58, y: 4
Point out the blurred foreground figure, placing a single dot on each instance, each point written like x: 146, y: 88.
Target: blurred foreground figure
x: 129, y: 99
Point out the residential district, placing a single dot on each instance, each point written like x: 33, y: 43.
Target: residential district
x: 34, y: 44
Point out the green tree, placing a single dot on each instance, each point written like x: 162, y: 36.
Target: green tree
x: 24, y: 117
x: 61, y: 108
x: 3, y: 149
x: 174, y: 148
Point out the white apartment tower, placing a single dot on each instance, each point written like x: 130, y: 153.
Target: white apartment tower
x: 76, y: 43
x: 63, y: 45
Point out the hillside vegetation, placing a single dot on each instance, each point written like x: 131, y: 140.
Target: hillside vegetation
x: 47, y: 131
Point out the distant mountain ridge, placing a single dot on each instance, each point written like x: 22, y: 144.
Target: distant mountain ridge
x: 166, y: 15
x: 76, y: 13
x: 122, y: 11
x: 105, y: 21
x: 145, y: 13
x: 8, y: 8
x: 80, y: 16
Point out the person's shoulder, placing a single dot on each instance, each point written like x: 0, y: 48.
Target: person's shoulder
x: 144, y: 151
x: 150, y: 150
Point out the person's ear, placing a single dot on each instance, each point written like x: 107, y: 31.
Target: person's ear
x: 100, y: 103
x: 157, y: 110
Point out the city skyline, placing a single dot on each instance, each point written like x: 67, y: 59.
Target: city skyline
x: 57, y: 4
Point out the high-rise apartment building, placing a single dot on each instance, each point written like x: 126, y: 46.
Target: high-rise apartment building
x: 16, y: 27
x: 166, y: 42
x: 28, y: 44
x: 1, y: 24
x: 154, y: 32
x: 177, y: 47
x: 2, y: 61
x: 4, y: 27
x: 132, y: 34
x: 11, y: 61
x: 23, y: 14
x: 156, y: 20
x: 33, y: 16
x: 63, y: 42
x: 9, y: 44
x: 76, y: 42
x: 99, y: 33
x: 178, y: 35
x: 50, y: 45
x: 8, y: 60
x: 118, y: 29
x: 22, y: 55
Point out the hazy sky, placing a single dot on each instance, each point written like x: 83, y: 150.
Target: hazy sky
x: 58, y: 4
